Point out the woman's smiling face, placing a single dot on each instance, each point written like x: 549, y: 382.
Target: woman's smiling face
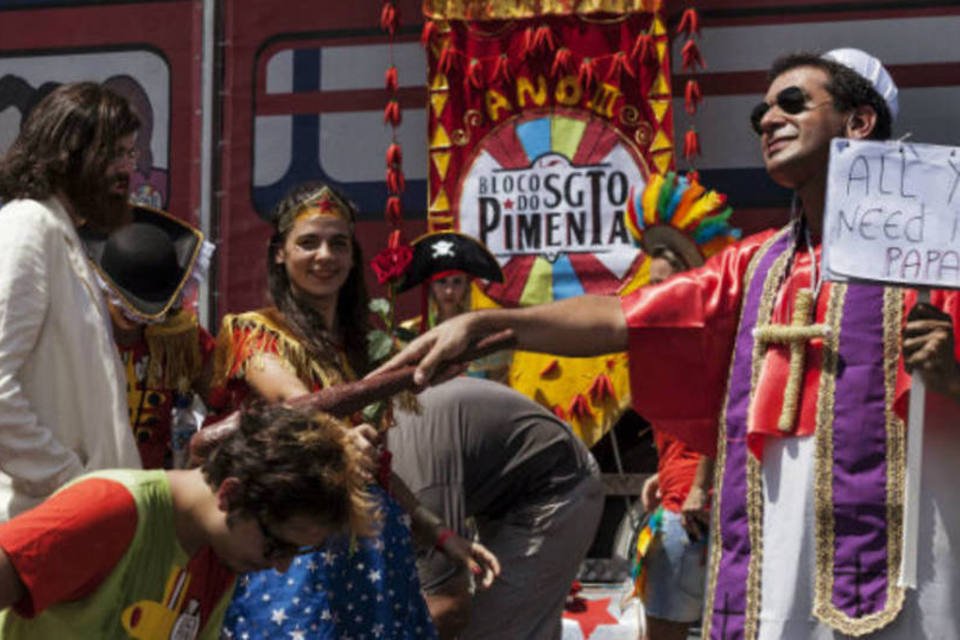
x: 318, y: 257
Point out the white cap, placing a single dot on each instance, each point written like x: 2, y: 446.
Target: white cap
x: 872, y: 70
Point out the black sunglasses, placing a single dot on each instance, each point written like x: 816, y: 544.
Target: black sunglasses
x: 791, y: 100
x: 276, y: 549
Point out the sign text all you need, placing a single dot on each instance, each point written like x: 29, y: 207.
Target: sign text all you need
x: 893, y: 213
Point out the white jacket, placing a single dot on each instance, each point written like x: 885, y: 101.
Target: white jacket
x: 63, y: 408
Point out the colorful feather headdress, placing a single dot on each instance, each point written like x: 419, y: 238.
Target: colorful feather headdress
x: 681, y: 214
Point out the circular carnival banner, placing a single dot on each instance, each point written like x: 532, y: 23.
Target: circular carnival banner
x: 545, y: 191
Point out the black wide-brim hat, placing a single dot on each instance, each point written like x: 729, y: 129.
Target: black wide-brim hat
x: 146, y: 264
x: 443, y: 251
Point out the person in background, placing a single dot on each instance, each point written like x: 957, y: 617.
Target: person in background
x: 445, y: 263
x: 153, y: 554
x: 480, y: 450
x: 675, y: 565
x: 62, y: 402
x: 146, y: 269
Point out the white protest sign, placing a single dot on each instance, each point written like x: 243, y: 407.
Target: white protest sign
x: 892, y: 213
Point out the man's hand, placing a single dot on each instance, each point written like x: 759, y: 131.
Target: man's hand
x: 442, y: 343
x: 481, y: 562
x: 928, y: 348
x: 650, y: 494
x: 694, y: 515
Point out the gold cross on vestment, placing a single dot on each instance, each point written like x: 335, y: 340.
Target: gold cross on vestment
x: 795, y: 335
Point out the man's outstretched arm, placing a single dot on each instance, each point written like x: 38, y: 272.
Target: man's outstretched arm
x: 581, y: 326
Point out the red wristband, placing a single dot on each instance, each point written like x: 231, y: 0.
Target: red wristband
x: 442, y: 537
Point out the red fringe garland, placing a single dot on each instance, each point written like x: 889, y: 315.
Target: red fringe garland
x: 691, y: 57
x: 501, y: 69
x: 692, y: 96
x: 396, y: 183
x: 475, y: 73
x: 543, y: 39
x: 618, y: 65
x: 394, y: 210
x: 389, y: 18
x: 642, y: 48
x: 390, y: 80
x: 526, y: 42
x: 691, y: 144
x: 587, y: 73
x: 391, y: 113
x: 562, y: 61
x: 689, y: 23
x: 429, y: 30
x: 447, y: 56
x: 394, y: 155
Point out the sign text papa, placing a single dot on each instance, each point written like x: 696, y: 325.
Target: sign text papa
x: 893, y: 213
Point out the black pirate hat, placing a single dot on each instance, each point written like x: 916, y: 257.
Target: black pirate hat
x: 443, y: 251
x: 146, y: 264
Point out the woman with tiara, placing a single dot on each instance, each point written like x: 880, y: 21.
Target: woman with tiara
x: 314, y: 337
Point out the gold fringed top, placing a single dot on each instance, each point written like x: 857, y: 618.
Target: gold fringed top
x: 244, y: 340
x: 517, y: 9
x: 174, y: 348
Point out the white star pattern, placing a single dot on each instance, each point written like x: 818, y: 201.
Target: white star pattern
x: 354, y: 589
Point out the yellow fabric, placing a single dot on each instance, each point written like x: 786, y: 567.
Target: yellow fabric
x: 539, y: 286
x: 246, y: 338
x: 567, y: 378
x: 175, y: 360
x: 515, y: 9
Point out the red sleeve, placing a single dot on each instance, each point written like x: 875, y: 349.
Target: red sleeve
x: 680, y: 337
x: 65, y: 547
x: 676, y: 470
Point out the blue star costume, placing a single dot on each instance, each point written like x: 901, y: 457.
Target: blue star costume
x: 368, y: 592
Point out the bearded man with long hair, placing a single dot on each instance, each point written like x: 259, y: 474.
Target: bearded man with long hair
x: 62, y: 398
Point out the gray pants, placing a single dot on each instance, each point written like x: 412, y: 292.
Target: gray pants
x: 540, y: 548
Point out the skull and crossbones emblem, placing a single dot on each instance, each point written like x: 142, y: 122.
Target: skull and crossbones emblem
x: 442, y: 249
